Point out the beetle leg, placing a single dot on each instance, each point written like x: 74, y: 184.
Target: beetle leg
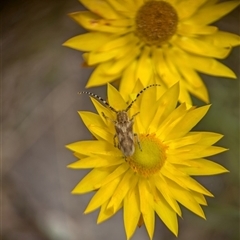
x: 114, y: 141
x: 107, y: 118
x: 134, y: 115
x: 137, y: 138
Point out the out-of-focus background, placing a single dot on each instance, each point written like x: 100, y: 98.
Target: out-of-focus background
x: 39, y: 81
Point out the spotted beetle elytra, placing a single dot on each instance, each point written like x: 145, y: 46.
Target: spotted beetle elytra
x: 123, y: 124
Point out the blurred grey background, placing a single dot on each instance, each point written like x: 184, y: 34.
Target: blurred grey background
x: 39, y: 84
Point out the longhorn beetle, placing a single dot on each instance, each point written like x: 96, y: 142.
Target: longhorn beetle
x: 123, y: 124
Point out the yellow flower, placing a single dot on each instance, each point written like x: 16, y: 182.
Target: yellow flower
x: 169, y: 40
x: 157, y: 176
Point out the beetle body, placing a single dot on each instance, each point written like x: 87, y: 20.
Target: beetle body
x: 123, y: 125
x: 124, y: 134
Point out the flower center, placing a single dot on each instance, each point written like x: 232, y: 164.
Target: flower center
x: 156, y: 22
x: 151, y: 158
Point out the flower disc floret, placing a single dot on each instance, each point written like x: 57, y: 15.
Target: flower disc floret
x: 150, y: 158
x: 156, y: 22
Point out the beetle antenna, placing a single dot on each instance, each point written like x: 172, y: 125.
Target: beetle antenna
x: 100, y: 99
x: 144, y: 89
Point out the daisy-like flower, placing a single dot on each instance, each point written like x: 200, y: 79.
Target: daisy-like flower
x: 170, y: 40
x: 157, y: 176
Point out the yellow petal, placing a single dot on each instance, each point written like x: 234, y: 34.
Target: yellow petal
x: 187, y: 8
x: 115, y: 98
x: 144, y: 67
x: 101, y: 8
x: 128, y: 181
x: 158, y: 80
x: 166, y: 193
x: 212, y: 150
x: 209, y: 14
x: 184, y: 96
x: 146, y: 206
x: 166, y: 104
x: 123, y: 8
x: 93, y: 22
x: 162, y: 68
x: 91, y: 118
x: 102, y: 195
x: 223, y: 39
x: 115, y: 68
x: 95, y: 57
x: 79, y: 155
x: 192, y: 30
x: 210, y: 2
x: 195, y: 151
x: 195, y: 186
x: 128, y: 80
x: 88, y: 183
x: 204, y: 64
x: 118, y: 66
x: 194, y: 84
x: 96, y: 126
x: 148, y: 106
x: 170, y: 122
x: 210, y: 66
x: 189, y: 139
x: 167, y: 215
x: 92, y: 147
x: 173, y: 2
x: 105, y: 213
x: 199, y: 167
x: 202, y: 138
x: 183, y: 93
x: 100, y: 76
x: 199, y: 47
x: 131, y: 212
x: 185, y: 198
x: 208, y: 138
x: 187, y: 122
x: 118, y: 172
x: 137, y: 88
x: 172, y: 174
x: 118, y: 41
x: 95, y: 162
x: 184, y: 181
x: 101, y: 133
x: 199, y: 198
x: 121, y: 22
x: 116, y: 47
x: 104, y: 109
x: 87, y: 41
x: 139, y: 3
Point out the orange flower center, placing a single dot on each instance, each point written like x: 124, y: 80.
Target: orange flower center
x: 156, y: 22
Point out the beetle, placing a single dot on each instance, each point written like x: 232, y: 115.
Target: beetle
x: 123, y: 124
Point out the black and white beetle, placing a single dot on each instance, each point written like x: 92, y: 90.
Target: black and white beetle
x: 123, y: 124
